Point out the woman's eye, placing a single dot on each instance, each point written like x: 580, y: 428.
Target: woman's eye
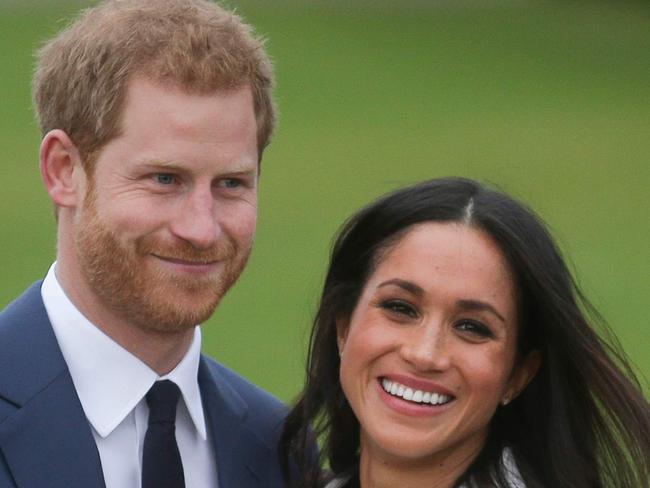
x: 165, y: 178
x: 474, y: 328
x: 399, y: 307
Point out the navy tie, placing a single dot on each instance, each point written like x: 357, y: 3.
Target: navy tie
x: 161, y: 461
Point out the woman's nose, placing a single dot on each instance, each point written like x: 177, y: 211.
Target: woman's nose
x: 427, y: 348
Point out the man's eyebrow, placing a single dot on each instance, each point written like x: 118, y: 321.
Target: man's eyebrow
x: 157, y: 164
x: 478, y: 305
x: 404, y: 284
x: 239, y: 167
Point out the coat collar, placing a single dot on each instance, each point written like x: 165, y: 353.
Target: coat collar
x: 243, y: 459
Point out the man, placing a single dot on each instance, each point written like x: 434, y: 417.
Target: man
x: 154, y: 114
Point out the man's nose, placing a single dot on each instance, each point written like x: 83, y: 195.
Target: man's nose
x: 197, y: 219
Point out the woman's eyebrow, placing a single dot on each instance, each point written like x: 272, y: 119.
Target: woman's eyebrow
x: 404, y: 284
x: 478, y: 305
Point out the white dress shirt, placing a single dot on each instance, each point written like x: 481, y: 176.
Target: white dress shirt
x: 111, y: 384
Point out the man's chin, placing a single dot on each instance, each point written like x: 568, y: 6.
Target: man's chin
x: 177, y: 318
x: 187, y: 310
x: 171, y: 308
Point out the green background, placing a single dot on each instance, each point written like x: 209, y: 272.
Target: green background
x: 549, y: 101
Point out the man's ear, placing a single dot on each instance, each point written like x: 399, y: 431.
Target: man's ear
x: 61, y: 169
x: 523, y: 373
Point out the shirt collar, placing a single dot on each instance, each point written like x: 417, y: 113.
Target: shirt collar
x: 110, y: 381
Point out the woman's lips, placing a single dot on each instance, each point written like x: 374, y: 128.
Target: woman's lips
x: 412, y: 396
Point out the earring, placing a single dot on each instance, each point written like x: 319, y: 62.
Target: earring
x: 505, y: 401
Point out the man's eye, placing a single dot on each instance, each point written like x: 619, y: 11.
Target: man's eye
x: 399, y: 307
x: 164, y: 178
x: 231, y: 183
x: 474, y: 328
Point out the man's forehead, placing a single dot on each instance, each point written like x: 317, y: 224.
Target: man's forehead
x: 146, y: 78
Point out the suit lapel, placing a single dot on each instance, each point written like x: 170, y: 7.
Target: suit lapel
x: 242, y: 458
x: 47, y: 442
x: 46, y: 439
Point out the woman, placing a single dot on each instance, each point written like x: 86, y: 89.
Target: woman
x: 452, y: 348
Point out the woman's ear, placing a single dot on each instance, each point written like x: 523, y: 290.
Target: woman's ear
x: 61, y: 167
x: 522, y: 374
x: 342, y: 327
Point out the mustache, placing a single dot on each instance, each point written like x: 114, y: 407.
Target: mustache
x: 224, y: 249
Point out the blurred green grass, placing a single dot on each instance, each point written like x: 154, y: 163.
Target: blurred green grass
x: 547, y: 101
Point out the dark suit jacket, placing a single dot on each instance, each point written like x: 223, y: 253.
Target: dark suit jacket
x: 46, y: 440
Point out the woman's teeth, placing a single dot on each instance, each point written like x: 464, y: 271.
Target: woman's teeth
x: 411, y: 395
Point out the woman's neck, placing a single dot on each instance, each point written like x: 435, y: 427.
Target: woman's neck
x: 379, y: 470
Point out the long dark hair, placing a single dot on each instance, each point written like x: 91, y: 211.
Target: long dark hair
x: 582, y: 422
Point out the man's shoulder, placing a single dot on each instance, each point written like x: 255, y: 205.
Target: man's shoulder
x: 30, y: 358
x: 264, y: 413
x: 29, y: 302
x: 253, y: 395
x: 18, y: 319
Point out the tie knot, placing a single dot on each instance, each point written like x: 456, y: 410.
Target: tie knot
x: 162, y: 399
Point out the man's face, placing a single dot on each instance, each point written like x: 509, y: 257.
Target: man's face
x: 169, y: 212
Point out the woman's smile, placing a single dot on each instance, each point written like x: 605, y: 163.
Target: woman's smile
x: 430, y: 349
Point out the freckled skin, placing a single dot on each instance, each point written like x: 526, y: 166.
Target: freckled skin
x: 431, y: 334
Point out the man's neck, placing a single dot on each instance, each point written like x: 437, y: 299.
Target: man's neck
x: 160, y: 351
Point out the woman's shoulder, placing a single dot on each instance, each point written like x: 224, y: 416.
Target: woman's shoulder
x: 340, y: 482
x: 510, y: 471
x: 337, y: 482
x: 346, y: 480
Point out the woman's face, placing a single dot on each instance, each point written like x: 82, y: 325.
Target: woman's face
x: 430, y: 349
